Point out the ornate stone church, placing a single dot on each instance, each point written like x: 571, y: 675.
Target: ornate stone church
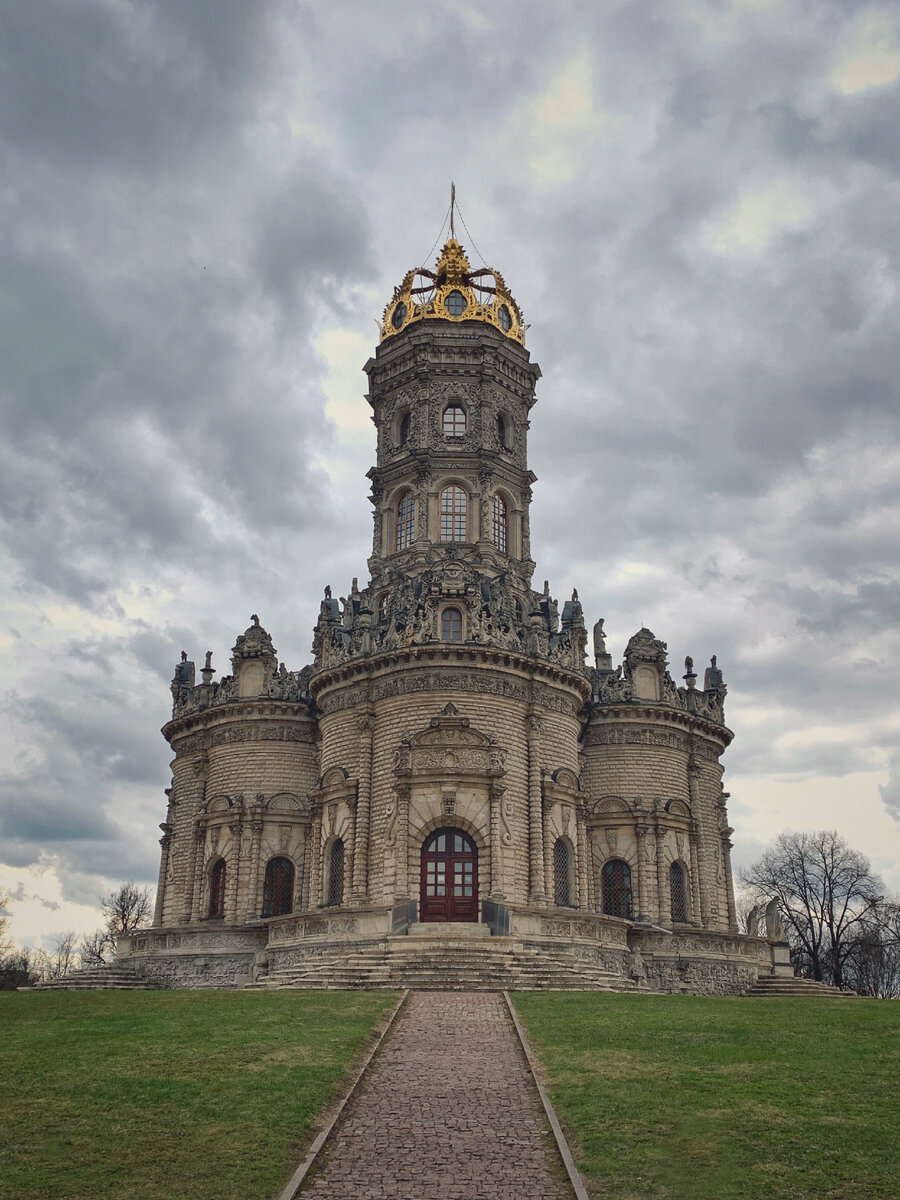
x: 449, y: 794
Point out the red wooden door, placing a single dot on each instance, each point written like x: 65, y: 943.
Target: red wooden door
x: 449, y: 877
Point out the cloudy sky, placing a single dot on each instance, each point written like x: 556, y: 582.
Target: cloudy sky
x: 203, y: 207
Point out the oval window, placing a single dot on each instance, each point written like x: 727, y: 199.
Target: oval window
x: 455, y: 304
x: 504, y: 318
x: 398, y: 316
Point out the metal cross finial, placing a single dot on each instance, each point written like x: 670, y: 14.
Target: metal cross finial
x: 452, y: 207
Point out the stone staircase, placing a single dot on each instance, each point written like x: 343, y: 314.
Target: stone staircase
x: 106, y: 978
x: 443, y: 964
x: 781, y: 985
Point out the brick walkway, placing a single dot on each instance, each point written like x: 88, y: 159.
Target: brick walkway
x: 448, y: 1111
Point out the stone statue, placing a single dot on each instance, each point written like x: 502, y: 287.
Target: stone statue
x: 774, y: 926
x: 207, y: 666
x: 254, y: 618
x: 688, y: 666
x: 753, y: 921
x: 599, y: 637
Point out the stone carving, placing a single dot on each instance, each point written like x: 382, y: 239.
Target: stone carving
x: 774, y: 925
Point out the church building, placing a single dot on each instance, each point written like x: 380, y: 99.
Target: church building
x: 449, y: 794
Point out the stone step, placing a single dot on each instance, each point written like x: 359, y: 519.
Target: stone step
x: 94, y: 979
x: 772, y: 985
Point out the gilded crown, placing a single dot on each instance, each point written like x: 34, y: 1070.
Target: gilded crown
x: 453, y: 292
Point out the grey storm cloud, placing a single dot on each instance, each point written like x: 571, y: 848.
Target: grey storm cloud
x: 194, y: 193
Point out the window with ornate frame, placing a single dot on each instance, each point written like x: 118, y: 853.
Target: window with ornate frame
x: 405, y: 424
x: 615, y: 883
x: 678, y: 904
x: 278, y: 887
x: 499, y: 524
x: 451, y: 625
x: 562, y: 873
x: 217, y: 889
x: 454, y: 420
x: 454, y: 513
x: 336, y: 872
x: 501, y: 431
x: 406, y: 521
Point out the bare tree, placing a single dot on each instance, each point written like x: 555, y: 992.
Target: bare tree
x: 828, y: 895
x: 62, y: 957
x: 96, y: 948
x: 873, y: 967
x: 129, y: 907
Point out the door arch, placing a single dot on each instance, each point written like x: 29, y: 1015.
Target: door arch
x: 449, y: 877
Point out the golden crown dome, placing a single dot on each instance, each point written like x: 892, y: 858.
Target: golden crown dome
x: 453, y: 292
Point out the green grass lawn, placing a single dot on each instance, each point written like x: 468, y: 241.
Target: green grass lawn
x: 163, y: 1095
x: 724, y: 1098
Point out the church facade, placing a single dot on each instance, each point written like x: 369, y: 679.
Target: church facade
x: 448, y: 764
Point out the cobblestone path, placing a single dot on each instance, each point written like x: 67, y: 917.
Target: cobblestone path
x: 448, y: 1111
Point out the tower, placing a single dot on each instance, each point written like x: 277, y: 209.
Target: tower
x: 448, y: 758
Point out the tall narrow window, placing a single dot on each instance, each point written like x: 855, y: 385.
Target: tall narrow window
x: 501, y: 432
x: 499, y: 524
x: 454, y: 505
x: 615, y: 880
x: 383, y: 601
x: 454, y: 420
x: 562, y: 873
x: 405, y: 422
x: 678, y: 892
x: 406, y: 521
x: 217, y: 889
x: 451, y: 625
x: 278, y: 889
x: 336, y: 872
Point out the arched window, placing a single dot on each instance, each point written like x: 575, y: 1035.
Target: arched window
x: 678, y: 892
x: 217, y: 889
x: 562, y: 873
x: 336, y: 872
x: 406, y: 520
x: 499, y: 524
x: 501, y: 432
x: 615, y: 880
x: 454, y: 420
x: 454, y: 506
x: 405, y: 422
x: 451, y: 625
x: 278, y: 889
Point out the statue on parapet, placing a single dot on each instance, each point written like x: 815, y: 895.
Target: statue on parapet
x: 775, y: 931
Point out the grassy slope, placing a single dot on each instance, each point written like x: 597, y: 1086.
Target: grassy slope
x: 724, y: 1098
x: 168, y: 1094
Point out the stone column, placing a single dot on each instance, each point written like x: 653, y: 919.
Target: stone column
x: 640, y: 837
x: 198, y: 870
x: 695, y: 879
x: 232, y: 874
x: 549, y: 873
x: 729, y: 881
x: 359, y: 893
x: 165, y: 844
x: 538, y: 887
x: 581, y: 859
x: 496, y: 799
x: 693, y: 773
x: 315, y: 858
x: 663, y: 915
x: 253, y: 909
x: 401, y: 851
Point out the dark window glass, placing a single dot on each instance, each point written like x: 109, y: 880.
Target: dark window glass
x: 501, y: 432
x: 398, y: 316
x: 615, y: 881
x: 678, y: 892
x: 455, y: 304
x: 562, y: 873
x: 499, y: 523
x: 406, y: 521
x: 454, y: 420
x: 518, y: 610
x: 505, y: 318
x: 217, y: 890
x: 278, y: 888
x: 454, y: 506
x: 451, y: 625
x: 450, y: 841
x: 383, y: 606
x: 336, y: 873
x: 405, y: 422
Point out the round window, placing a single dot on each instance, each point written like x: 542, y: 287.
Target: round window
x: 455, y: 304
x: 398, y: 316
x: 504, y: 318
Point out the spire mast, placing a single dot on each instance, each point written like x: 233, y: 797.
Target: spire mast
x: 452, y: 208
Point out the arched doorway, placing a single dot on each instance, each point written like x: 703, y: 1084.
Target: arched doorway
x: 449, y: 877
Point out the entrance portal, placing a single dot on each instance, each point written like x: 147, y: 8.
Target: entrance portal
x: 449, y: 877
